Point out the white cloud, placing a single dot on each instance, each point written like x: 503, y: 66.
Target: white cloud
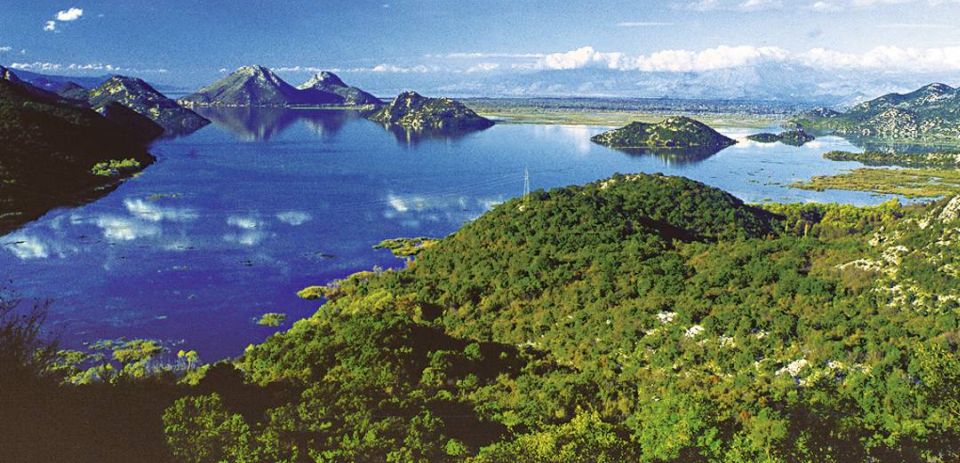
x: 664, y: 61
x: 886, y: 58
x: 484, y: 67
x: 400, y: 69
x: 481, y: 54
x: 825, y: 7
x: 754, y: 5
x: 71, y: 14
x: 643, y: 24
x: 581, y: 58
x: 5, y: 49
x: 50, y: 26
x: 88, y: 67
x: 27, y: 247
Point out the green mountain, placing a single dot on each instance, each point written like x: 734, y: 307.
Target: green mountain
x: 143, y: 99
x: 637, y: 318
x: 328, y: 82
x: 929, y: 113
x: 412, y: 111
x: 54, y: 153
x: 796, y: 137
x: 672, y: 132
x: 258, y: 86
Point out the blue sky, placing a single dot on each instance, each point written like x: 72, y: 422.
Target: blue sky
x: 190, y: 42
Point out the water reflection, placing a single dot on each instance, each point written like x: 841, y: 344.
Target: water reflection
x: 676, y: 156
x: 263, y: 124
x: 412, y: 138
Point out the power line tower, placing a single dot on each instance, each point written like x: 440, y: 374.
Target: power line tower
x: 526, y: 184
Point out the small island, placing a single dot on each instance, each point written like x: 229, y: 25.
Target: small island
x: 796, y: 137
x: 672, y: 132
x: 413, y: 111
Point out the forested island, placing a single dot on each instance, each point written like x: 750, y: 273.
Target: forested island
x: 672, y: 132
x: 637, y: 318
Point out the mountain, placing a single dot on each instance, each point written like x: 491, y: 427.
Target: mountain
x: 54, y: 153
x: 56, y: 83
x: 672, y: 132
x: 260, y: 87
x: 328, y: 82
x: 413, y: 111
x: 931, y: 112
x: 143, y: 99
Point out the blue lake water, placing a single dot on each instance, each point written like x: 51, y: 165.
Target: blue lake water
x: 234, y: 219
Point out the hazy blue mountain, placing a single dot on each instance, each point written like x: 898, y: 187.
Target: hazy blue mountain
x: 143, y: 99
x: 413, y: 111
x: 330, y: 83
x: 55, y: 83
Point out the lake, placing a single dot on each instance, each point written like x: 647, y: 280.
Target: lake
x: 232, y: 220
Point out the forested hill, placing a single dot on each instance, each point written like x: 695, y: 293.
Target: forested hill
x: 638, y: 318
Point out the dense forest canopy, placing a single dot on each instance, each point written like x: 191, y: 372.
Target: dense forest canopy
x: 638, y: 318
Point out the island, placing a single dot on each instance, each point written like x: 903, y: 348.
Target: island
x: 145, y: 100
x: 56, y: 153
x: 258, y: 86
x: 672, y: 132
x: 412, y: 111
x: 795, y: 137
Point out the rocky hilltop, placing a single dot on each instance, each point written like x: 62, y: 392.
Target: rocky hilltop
x: 54, y: 153
x: 257, y: 86
x: 143, y: 99
x: 412, y: 111
x: 930, y: 112
x: 330, y: 83
x: 672, y: 132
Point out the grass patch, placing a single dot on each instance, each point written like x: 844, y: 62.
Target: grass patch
x: 114, y: 167
x: 911, y: 183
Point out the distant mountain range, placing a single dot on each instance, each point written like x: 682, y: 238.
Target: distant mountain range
x: 257, y: 86
x: 931, y: 112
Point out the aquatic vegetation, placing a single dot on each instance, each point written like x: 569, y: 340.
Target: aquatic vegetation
x: 273, y: 319
x: 912, y: 183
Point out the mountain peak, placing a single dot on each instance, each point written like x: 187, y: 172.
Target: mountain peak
x: 937, y: 87
x: 329, y: 78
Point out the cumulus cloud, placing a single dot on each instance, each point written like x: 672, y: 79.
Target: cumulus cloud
x: 664, y: 61
x: 887, y: 58
x: 71, y: 14
x: 5, y: 49
x: 581, y: 58
x: 399, y: 69
x: 50, y: 26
